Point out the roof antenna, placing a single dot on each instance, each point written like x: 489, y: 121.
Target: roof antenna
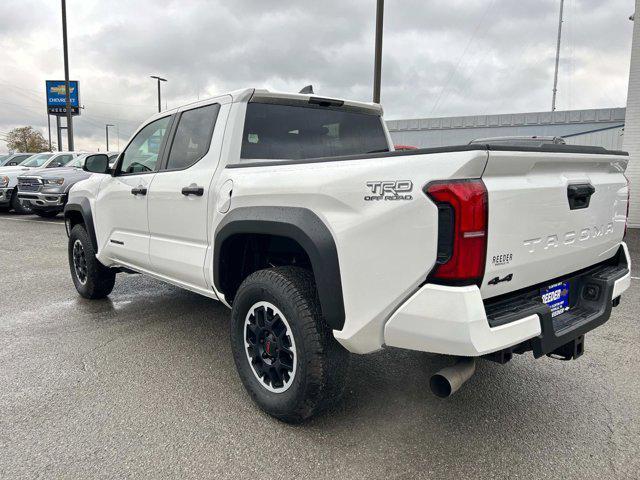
x: 308, y: 89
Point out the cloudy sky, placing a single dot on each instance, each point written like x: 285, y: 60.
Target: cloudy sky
x: 441, y: 57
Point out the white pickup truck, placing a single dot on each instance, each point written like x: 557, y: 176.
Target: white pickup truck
x: 294, y: 211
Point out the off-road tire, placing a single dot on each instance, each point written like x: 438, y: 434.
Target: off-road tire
x: 321, y: 362
x: 98, y: 279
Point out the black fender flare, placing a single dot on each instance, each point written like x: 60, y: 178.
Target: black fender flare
x: 83, y: 207
x: 302, y: 226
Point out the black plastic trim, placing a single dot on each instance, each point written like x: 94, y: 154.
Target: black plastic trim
x: 84, y: 208
x: 302, y: 226
x: 319, y: 102
x: 585, y: 314
x: 546, y: 148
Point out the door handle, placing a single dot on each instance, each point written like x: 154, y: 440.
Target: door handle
x: 193, y: 189
x: 579, y: 195
x: 140, y: 190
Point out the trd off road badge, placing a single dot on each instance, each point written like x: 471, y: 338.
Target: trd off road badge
x: 389, y: 190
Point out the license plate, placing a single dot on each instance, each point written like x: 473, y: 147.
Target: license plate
x: 556, y: 297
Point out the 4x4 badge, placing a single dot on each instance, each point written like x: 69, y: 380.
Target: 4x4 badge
x: 497, y: 280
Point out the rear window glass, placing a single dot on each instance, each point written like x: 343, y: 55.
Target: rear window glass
x: 284, y: 132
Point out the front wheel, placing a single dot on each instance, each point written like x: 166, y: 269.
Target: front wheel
x: 286, y: 355
x: 17, y: 205
x: 92, y: 279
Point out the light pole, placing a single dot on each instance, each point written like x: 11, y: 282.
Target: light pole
x: 49, y: 125
x: 555, y: 75
x: 377, y: 69
x: 160, y: 79
x: 106, y: 131
x: 66, y: 77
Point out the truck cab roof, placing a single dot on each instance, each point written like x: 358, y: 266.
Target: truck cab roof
x: 261, y: 95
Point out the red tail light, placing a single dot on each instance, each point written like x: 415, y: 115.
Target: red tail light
x: 462, y: 230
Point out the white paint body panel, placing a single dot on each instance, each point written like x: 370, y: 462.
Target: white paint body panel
x: 121, y: 216
x: 178, y: 229
x: 385, y: 249
x: 530, y: 219
x: 452, y: 321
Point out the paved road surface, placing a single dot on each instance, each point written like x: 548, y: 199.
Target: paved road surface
x: 142, y: 385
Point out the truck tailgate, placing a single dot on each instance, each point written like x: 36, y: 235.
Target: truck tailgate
x: 550, y: 214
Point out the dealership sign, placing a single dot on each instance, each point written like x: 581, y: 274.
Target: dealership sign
x: 56, y: 97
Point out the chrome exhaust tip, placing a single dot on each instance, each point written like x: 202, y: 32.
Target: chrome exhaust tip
x: 447, y: 381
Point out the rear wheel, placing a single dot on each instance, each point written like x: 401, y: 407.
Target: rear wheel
x: 18, y: 206
x: 46, y: 213
x: 92, y: 279
x: 286, y: 355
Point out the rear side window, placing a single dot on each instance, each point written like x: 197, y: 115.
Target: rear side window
x: 285, y: 132
x: 193, y: 136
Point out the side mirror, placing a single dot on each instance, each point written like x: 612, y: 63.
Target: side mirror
x: 98, y: 163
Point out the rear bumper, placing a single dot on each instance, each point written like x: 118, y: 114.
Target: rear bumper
x: 43, y: 201
x: 5, y: 195
x: 456, y: 321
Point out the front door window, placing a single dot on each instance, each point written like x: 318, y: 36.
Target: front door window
x: 141, y: 156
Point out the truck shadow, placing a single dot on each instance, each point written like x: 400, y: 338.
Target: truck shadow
x: 380, y: 385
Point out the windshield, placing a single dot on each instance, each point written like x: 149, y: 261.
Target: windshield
x: 77, y: 162
x: 3, y: 158
x: 285, y: 132
x: 36, y: 160
x: 13, y: 160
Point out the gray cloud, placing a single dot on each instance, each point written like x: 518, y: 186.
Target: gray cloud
x: 441, y: 57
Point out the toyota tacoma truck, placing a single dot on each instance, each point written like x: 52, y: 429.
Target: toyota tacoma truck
x: 295, y: 212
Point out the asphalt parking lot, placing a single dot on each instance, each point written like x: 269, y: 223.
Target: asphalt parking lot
x: 143, y: 385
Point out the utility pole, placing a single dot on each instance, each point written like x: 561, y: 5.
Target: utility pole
x: 555, y: 76
x: 106, y: 131
x: 49, y: 125
x: 160, y: 79
x: 59, y: 130
x: 377, y: 68
x: 66, y: 77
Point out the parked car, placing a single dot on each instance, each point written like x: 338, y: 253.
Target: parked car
x: 290, y: 209
x: 45, y: 191
x: 15, y: 159
x: 9, y: 177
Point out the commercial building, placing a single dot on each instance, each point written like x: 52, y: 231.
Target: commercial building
x: 606, y: 127
x: 603, y: 127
